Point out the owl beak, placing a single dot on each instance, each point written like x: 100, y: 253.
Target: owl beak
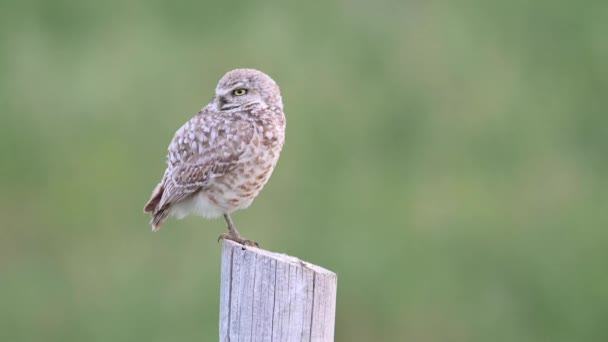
x: 221, y: 101
x: 222, y: 104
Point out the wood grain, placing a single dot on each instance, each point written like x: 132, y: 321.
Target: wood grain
x: 268, y: 296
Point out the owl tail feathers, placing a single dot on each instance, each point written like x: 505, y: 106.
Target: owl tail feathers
x: 159, y: 217
x: 157, y: 194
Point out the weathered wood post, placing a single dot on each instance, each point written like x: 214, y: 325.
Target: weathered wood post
x: 268, y: 296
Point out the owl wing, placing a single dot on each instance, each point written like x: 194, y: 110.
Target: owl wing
x: 206, y: 147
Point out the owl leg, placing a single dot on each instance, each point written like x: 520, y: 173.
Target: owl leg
x: 234, y: 234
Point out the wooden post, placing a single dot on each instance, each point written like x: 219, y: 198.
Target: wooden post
x: 268, y: 296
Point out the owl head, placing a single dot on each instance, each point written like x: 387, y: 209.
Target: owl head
x: 241, y: 87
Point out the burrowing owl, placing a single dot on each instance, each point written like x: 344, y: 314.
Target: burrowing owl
x: 219, y: 160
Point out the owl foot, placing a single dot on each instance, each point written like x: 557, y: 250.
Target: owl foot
x: 238, y: 239
x: 234, y: 235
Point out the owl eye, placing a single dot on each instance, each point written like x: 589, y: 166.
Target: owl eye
x: 239, y: 92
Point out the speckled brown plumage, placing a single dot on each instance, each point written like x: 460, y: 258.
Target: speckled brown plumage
x: 220, y: 160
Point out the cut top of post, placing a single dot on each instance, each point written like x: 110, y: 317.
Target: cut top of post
x: 268, y: 296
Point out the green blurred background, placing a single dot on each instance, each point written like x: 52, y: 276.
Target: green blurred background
x: 448, y: 160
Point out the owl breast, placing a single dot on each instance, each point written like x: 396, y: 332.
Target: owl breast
x: 238, y: 188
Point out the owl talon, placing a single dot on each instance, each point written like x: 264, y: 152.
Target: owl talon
x: 238, y: 239
x: 251, y: 243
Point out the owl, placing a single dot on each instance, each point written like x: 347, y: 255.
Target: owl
x: 219, y: 161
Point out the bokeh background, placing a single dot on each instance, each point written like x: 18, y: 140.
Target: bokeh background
x: 448, y: 160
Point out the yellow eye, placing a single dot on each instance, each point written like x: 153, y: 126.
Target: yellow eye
x: 239, y: 92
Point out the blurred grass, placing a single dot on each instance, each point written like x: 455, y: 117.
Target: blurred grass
x: 447, y: 159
